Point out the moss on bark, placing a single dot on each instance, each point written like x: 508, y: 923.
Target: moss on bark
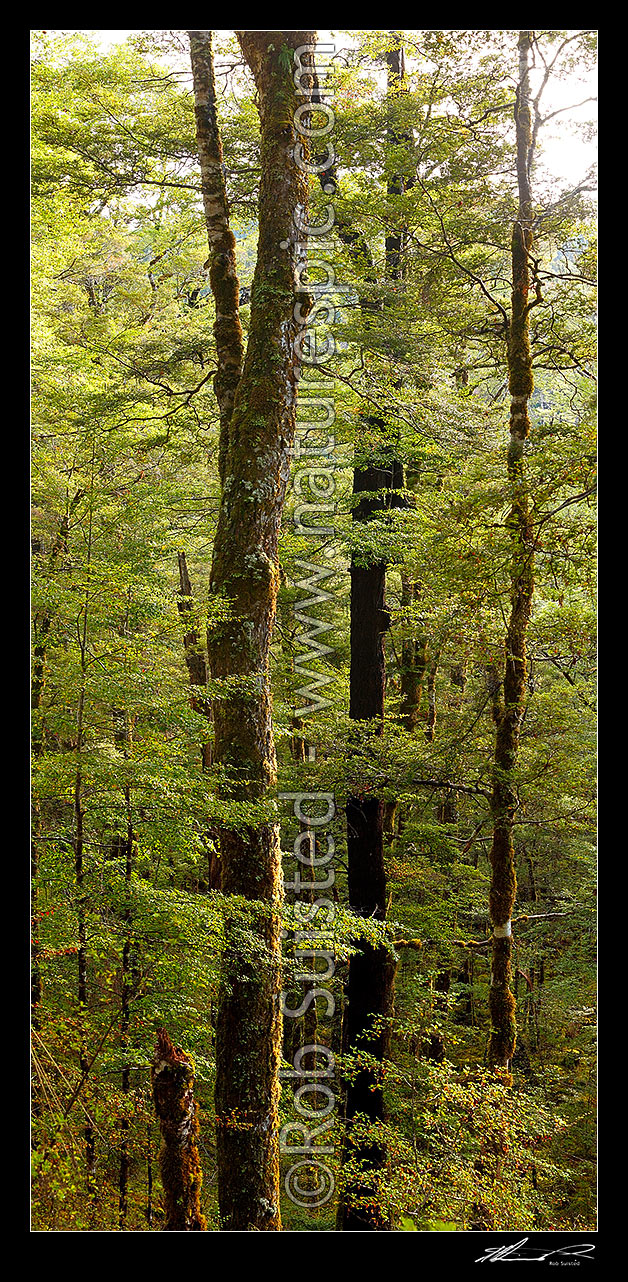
x: 172, y: 1079
x: 256, y: 467
x: 508, y: 705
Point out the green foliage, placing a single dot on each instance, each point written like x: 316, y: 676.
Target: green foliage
x: 125, y: 436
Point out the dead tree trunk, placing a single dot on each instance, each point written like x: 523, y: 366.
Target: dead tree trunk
x: 172, y: 1079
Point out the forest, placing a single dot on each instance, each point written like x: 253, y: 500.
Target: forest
x: 313, y: 860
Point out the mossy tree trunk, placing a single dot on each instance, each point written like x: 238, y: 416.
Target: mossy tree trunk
x: 172, y: 1080
x: 223, y: 274
x: 255, y: 467
x: 509, y: 701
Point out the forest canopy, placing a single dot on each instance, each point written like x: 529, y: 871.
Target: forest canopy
x: 313, y: 631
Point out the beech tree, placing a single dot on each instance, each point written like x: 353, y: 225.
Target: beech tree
x: 457, y: 736
x: 377, y: 478
x: 256, y: 438
x: 508, y: 692
x: 508, y: 706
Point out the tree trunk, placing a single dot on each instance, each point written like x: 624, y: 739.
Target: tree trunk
x: 125, y: 849
x: 223, y: 274
x: 255, y: 470
x: 78, y: 843
x: 370, y: 985
x: 43, y: 620
x: 413, y: 658
x: 172, y: 1079
x: 196, y: 662
x: 194, y: 653
x: 508, y: 706
x: 430, y: 728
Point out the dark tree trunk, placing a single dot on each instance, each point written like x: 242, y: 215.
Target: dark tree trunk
x: 195, y: 659
x: 149, y: 1177
x: 413, y: 658
x: 430, y: 728
x: 125, y: 847
x: 78, y: 843
x: 367, y: 1027
x: 43, y: 620
x: 81, y: 957
x: 370, y: 981
x: 370, y: 985
x: 125, y: 1014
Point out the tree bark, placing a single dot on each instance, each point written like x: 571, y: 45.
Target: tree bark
x: 223, y: 274
x: 413, y: 658
x: 125, y: 849
x: 43, y: 619
x: 172, y: 1079
x: 196, y: 661
x: 78, y: 844
x: 255, y: 469
x: 430, y: 728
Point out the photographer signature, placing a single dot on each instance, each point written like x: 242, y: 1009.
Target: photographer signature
x: 518, y: 1251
